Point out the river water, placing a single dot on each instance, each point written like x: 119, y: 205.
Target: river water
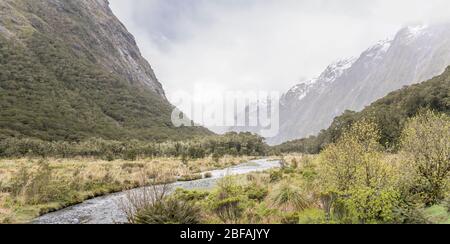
x: 106, y: 210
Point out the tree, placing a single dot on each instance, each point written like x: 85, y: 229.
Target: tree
x: 354, y: 174
x: 426, y: 145
x: 355, y: 160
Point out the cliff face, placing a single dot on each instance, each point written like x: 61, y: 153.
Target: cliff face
x: 91, y: 29
x: 69, y: 70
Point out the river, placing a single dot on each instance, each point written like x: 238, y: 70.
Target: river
x: 106, y: 210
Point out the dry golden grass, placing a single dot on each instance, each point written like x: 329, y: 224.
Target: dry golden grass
x: 88, y: 177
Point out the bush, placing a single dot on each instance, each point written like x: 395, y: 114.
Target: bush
x: 19, y: 181
x: 409, y: 213
x: 257, y: 193
x: 229, y: 210
x: 191, y: 177
x: 168, y: 211
x: 354, y: 172
x: 38, y: 190
x: 190, y: 196
x: 437, y: 214
x: 311, y: 216
x: 228, y: 202
x: 290, y: 218
x: 367, y: 206
x: 39, y: 186
x: 275, y: 176
x: 355, y: 160
x: 290, y: 198
x: 426, y: 147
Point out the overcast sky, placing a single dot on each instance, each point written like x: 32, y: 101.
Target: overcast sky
x: 261, y: 44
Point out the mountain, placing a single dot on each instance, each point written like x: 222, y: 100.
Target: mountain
x: 415, y: 54
x: 390, y: 113
x: 69, y: 70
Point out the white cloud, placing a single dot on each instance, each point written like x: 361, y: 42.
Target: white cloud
x: 261, y: 44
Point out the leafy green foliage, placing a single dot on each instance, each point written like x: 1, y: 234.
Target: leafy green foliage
x: 228, y: 202
x: 360, y: 183
x: 230, y: 144
x: 256, y: 192
x: 426, y: 149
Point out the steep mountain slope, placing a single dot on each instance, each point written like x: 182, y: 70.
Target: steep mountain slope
x: 415, y: 54
x: 390, y: 112
x: 69, y: 70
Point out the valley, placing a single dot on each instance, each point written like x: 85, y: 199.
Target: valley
x: 88, y: 134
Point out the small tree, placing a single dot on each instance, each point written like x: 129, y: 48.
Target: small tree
x: 426, y: 145
x: 355, y: 177
x: 355, y: 160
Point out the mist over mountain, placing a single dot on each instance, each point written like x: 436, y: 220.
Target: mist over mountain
x: 415, y: 54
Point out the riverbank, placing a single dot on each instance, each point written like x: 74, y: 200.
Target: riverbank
x: 33, y: 187
x: 107, y: 209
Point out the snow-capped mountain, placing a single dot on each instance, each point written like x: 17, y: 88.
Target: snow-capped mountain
x: 330, y: 75
x: 416, y: 54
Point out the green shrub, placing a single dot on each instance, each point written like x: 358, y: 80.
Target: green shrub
x: 39, y: 188
x: 228, y: 201
x: 426, y: 147
x: 311, y: 216
x: 407, y: 212
x: 190, y: 196
x: 294, y: 163
x: 256, y: 192
x: 168, y: 211
x: 190, y: 177
x: 229, y: 210
x: 290, y: 218
x: 437, y: 214
x: 276, y: 176
x: 289, y: 198
x: 19, y: 181
x: 367, y: 206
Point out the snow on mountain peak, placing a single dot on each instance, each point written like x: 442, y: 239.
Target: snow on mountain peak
x: 416, y: 30
x: 336, y: 70
x: 378, y: 50
x: 301, y: 90
x: 412, y: 33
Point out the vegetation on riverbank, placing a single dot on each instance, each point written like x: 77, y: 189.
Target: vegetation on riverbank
x: 30, y: 187
x: 353, y: 181
x: 234, y: 144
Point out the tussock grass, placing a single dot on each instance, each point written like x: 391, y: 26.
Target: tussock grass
x: 31, y: 187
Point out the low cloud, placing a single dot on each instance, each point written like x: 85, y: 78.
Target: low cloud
x: 261, y: 44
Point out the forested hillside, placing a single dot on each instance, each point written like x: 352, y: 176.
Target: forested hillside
x: 70, y: 71
x: 390, y: 113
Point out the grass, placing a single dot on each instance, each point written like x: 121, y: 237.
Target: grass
x: 68, y: 182
x: 294, y: 197
x: 438, y: 214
